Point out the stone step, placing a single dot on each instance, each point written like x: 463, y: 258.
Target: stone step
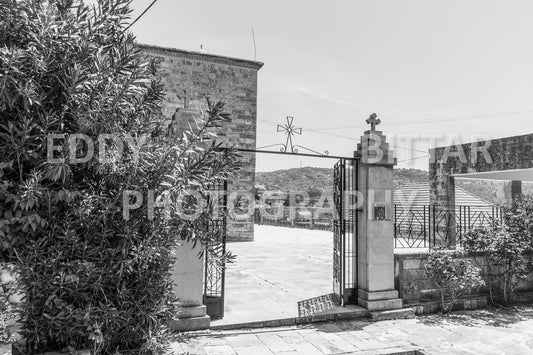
x: 349, y: 312
x: 405, y: 313
x: 379, y: 295
x: 381, y: 305
x: 189, y: 324
x: 192, y: 312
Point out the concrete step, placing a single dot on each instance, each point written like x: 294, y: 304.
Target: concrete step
x: 192, y: 312
x: 337, y: 314
x: 381, y: 305
x: 189, y: 324
x: 404, y: 313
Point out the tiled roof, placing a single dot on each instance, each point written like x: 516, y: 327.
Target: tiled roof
x: 417, y: 194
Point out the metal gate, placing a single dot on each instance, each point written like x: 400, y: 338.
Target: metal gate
x: 215, y: 249
x: 345, y: 231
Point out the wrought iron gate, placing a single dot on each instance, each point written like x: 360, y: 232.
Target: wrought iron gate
x: 345, y: 231
x: 215, y: 249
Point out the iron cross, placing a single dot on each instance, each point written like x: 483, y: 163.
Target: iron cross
x: 373, y: 121
x: 289, y: 130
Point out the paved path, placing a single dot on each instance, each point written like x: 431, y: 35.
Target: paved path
x: 489, y: 331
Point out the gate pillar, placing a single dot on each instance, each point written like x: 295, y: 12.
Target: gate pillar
x: 188, y: 288
x: 375, y: 250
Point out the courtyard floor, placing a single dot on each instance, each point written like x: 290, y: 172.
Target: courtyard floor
x: 487, y: 331
x: 282, y: 269
x: 283, y: 273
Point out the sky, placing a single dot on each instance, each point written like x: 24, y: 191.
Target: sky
x: 435, y: 72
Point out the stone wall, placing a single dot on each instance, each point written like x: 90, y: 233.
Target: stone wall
x: 506, y: 154
x: 10, y: 299
x: 418, y: 290
x: 198, y: 76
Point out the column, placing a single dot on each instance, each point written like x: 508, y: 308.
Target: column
x: 512, y: 190
x: 187, y: 275
x: 375, y: 252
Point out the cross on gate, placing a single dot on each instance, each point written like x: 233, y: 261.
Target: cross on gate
x: 289, y: 130
x: 373, y: 121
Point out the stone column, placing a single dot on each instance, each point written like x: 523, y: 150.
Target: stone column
x: 187, y: 275
x: 375, y: 252
x: 188, y: 271
x: 512, y: 190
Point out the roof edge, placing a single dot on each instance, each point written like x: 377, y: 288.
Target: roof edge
x: 204, y: 56
x: 491, y: 140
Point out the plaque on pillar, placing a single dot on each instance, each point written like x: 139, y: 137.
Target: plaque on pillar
x: 380, y: 213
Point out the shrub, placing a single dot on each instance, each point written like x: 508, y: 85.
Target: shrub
x: 453, y: 275
x: 518, y: 220
x: 91, y: 278
x: 505, y: 246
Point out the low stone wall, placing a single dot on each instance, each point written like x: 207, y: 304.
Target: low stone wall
x: 10, y: 299
x: 420, y: 292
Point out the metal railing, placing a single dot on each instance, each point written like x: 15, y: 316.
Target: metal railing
x: 296, y: 217
x: 414, y: 226
x: 428, y: 226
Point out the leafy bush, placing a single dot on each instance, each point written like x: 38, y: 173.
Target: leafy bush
x: 506, y: 246
x: 518, y: 219
x: 454, y: 276
x: 91, y: 278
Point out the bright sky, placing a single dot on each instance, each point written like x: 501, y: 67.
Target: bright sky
x: 429, y: 69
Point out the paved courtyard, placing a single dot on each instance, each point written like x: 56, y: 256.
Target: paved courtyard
x: 283, y: 273
x: 282, y: 267
x: 488, y: 331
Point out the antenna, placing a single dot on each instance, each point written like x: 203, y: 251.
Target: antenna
x: 255, y: 48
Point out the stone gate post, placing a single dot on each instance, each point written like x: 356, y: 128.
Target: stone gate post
x: 187, y: 272
x: 188, y: 288
x: 375, y: 252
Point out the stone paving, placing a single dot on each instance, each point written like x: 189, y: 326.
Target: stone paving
x: 282, y: 267
x: 488, y: 331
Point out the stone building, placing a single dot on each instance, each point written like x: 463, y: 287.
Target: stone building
x: 192, y: 77
x: 507, y: 159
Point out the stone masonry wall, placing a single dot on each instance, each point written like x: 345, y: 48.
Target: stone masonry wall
x: 418, y: 290
x: 233, y: 80
x: 506, y: 154
x: 10, y: 299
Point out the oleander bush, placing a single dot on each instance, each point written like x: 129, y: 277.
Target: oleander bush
x: 91, y: 277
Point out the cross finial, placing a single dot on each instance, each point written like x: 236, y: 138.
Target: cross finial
x: 373, y: 121
x: 186, y: 99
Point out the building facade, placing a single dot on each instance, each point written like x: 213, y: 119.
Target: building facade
x: 190, y: 78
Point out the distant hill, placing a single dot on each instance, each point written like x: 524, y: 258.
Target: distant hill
x: 296, y: 179
x: 407, y: 176
x: 322, y: 178
x: 317, y: 179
